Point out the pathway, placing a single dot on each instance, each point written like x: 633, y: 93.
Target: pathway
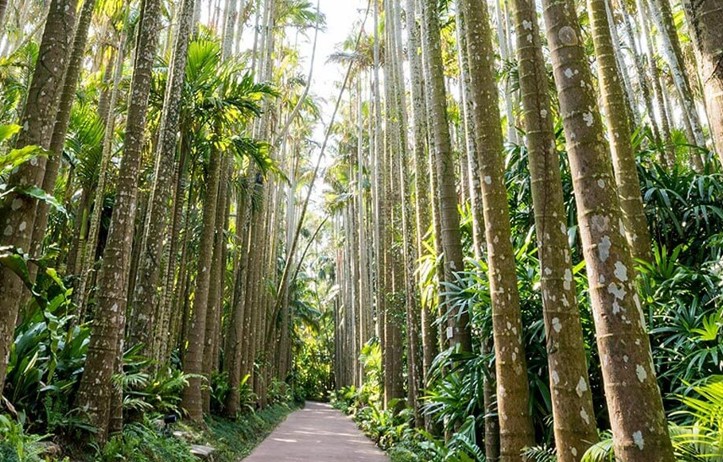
x: 317, y: 433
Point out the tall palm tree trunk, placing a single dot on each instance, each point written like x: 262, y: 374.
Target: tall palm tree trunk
x: 640, y: 431
x: 146, y: 291
x: 574, y: 417
x: 70, y: 84
x: 214, y: 304
x: 705, y: 21
x: 96, y: 387
x: 458, y: 332
x: 192, y: 398
x: 17, y: 210
x: 512, y: 390
x: 87, y: 246
x: 620, y: 134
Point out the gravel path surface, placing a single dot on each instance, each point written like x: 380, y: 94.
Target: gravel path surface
x: 317, y: 433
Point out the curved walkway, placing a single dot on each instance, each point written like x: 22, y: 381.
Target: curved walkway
x: 317, y: 433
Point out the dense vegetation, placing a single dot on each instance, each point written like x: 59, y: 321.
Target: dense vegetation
x: 499, y: 238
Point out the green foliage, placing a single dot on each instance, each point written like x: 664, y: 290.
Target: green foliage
x: 384, y: 426
x: 219, y: 99
x: 602, y: 451
x: 236, y: 439
x: 540, y: 454
x: 141, y: 443
x: 279, y: 392
x: 145, y: 392
x: 46, y: 359
x: 686, y: 312
x: 701, y: 434
x: 312, y: 326
x: 13, y: 158
x: 457, y: 389
x: 683, y: 208
x: 16, y: 445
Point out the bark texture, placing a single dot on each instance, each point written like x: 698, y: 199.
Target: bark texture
x: 516, y: 430
x: 147, y: 290
x: 70, y: 84
x: 3, y: 12
x: 705, y: 21
x: 192, y: 400
x: 458, y: 327
x: 574, y: 417
x: 635, y: 407
x: 620, y: 134
x: 96, y: 388
x: 17, y: 210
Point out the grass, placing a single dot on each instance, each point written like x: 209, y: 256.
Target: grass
x: 236, y: 439
x: 144, y: 442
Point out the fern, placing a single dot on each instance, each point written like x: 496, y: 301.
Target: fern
x: 540, y: 454
x: 602, y: 451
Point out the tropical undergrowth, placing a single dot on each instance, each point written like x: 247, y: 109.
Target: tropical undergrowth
x: 38, y: 413
x: 681, y: 290
x: 46, y: 361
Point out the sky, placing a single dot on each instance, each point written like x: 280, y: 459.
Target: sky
x: 340, y: 18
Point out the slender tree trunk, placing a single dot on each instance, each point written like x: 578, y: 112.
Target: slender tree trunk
x: 505, y: 52
x: 663, y: 17
x: 78, y: 236
x: 458, y: 332
x: 236, y: 322
x: 491, y: 426
x: 574, y: 417
x: 104, y: 97
x: 96, y: 387
x: 640, y: 432
x: 365, y: 298
x: 705, y: 21
x: 668, y: 150
x: 214, y: 304
x: 420, y: 180
x: 620, y: 134
x: 70, y: 84
x: 146, y: 290
x: 87, y: 246
x: 181, y: 296
x: 164, y: 329
x: 472, y: 167
x: 17, y: 210
x: 192, y: 398
x: 516, y: 430
x: 640, y: 72
x: 622, y: 68
x: 3, y: 11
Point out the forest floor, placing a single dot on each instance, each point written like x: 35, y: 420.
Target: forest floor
x: 317, y: 433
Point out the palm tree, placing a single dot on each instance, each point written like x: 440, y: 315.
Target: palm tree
x: 705, y: 19
x: 512, y: 390
x: 221, y: 101
x: 572, y: 406
x: 620, y: 133
x: 458, y: 332
x: 96, y: 389
x: 60, y: 129
x: 633, y: 398
x: 17, y: 210
x: 145, y: 298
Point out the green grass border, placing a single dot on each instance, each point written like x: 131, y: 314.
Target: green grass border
x: 236, y: 439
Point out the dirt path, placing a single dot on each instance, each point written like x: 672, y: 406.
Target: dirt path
x: 317, y: 433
